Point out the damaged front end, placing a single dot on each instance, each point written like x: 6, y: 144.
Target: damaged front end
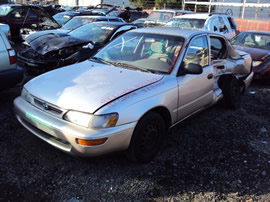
x: 48, y: 51
x: 36, y: 63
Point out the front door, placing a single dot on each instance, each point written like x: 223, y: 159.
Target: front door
x: 195, y: 91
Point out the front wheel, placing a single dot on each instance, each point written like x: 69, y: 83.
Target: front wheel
x: 231, y: 92
x: 147, y: 138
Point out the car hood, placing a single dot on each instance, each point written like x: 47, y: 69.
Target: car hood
x: 52, y: 40
x: 257, y: 54
x: 87, y: 86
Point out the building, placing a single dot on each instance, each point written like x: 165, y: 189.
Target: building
x: 121, y: 3
x: 247, y: 9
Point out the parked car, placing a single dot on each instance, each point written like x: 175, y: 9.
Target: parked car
x: 6, y: 30
x: 22, y: 19
x: 161, y: 17
x: 257, y: 44
x: 129, y: 15
x: 63, y: 17
x: 220, y: 23
x: 139, y: 22
x: 10, y: 74
x: 132, y: 91
x: 71, y: 25
x: 52, y: 50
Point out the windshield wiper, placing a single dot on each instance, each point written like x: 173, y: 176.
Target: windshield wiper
x: 156, y: 71
x: 100, y: 60
x: 128, y: 66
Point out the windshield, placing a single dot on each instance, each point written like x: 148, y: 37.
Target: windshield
x: 186, y: 23
x: 95, y: 32
x: 4, y: 10
x: 143, y: 51
x: 254, y: 40
x: 160, y: 16
x: 76, y: 22
x: 61, y: 18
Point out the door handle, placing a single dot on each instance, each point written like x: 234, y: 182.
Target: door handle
x: 210, y: 76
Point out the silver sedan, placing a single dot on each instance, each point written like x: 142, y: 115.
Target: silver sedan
x: 132, y: 91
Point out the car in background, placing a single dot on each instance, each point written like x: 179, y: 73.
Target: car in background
x: 129, y: 15
x: 10, y: 73
x: 62, y: 17
x: 220, y: 23
x: 72, y: 24
x: 161, y: 17
x: 139, y: 22
x: 23, y: 19
x: 52, y: 50
x: 6, y: 30
x: 257, y: 44
x: 129, y: 94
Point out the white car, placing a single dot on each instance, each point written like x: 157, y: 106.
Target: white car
x: 132, y: 91
x: 219, y: 23
x: 6, y: 29
x: 10, y: 74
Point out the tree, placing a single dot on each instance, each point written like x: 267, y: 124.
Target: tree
x: 143, y: 3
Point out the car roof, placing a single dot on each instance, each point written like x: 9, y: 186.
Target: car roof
x: 194, y: 16
x: 172, y: 10
x: 173, y: 31
x: 108, y: 23
x: 97, y: 16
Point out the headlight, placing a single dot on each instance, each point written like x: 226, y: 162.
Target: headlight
x: 92, y: 121
x: 104, y: 121
x: 256, y: 63
x: 26, y: 95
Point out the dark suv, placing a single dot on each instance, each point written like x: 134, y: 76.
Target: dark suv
x: 28, y: 17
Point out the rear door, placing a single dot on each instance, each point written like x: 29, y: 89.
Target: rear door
x: 195, y: 91
x: 4, y: 58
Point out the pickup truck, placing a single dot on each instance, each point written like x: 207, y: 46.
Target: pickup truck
x: 214, y: 22
x: 6, y: 30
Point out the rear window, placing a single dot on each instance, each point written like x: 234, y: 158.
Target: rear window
x: 160, y: 16
x: 4, y: 10
x: 186, y: 23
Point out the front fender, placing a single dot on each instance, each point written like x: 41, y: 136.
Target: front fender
x: 136, y: 104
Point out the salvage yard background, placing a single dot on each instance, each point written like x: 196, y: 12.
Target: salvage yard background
x: 217, y: 155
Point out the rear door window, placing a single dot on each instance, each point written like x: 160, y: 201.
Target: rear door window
x: 18, y: 13
x: 218, y: 48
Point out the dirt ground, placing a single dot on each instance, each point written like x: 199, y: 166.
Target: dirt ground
x: 218, y: 155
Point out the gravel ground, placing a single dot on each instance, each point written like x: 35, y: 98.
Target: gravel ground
x: 218, y: 155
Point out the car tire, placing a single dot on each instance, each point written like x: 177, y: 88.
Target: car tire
x: 147, y: 138
x: 231, y: 90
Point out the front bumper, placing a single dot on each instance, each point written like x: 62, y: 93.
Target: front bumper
x: 62, y: 134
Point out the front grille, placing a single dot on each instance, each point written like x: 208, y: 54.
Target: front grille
x: 48, y: 107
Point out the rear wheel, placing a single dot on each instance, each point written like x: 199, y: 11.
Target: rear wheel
x: 231, y: 92
x: 147, y: 138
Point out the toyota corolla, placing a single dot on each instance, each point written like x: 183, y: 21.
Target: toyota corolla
x: 132, y: 91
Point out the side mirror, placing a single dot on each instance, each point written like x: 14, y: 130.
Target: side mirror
x: 191, y: 68
x: 90, y: 45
